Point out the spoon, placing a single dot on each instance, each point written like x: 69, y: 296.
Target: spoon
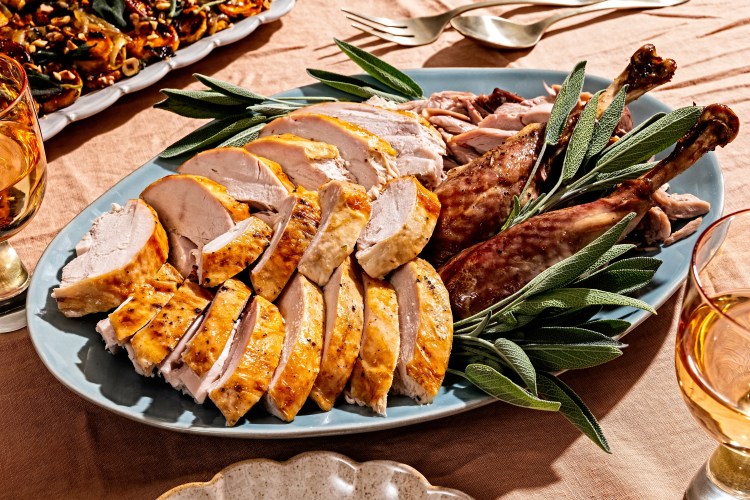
x: 500, y: 33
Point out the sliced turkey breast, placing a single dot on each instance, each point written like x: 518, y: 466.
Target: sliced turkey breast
x: 259, y: 182
x: 419, y: 147
x: 343, y: 333
x: 426, y: 326
x: 157, y: 339
x: 401, y: 224
x: 345, y: 209
x: 199, y: 364
x: 301, y: 305
x: 292, y: 233
x: 309, y: 164
x: 370, y: 159
x: 124, y: 247
x: 255, y: 354
x: 372, y: 376
x: 194, y: 207
x: 233, y: 251
x: 181, y: 253
x: 139, y: 308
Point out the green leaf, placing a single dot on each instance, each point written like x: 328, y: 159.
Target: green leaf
x: 575, y: 298
x: 580, y: 139
x: 554, y: 357
x: 228, y: 89
x: 610, y: 255
x: 112, y: 11
x: 565, y: 335
x: 190, y: 110
x: 203, y: 97
x: 622, y: 281
x: 654, y: 138
x: 501, y: 387
x: 272, y: 109
x: 573, y: 409
x: 243, y: 137
x: 518, y: 361
x: 607, y: 123
x: 566, y: 101
x: 381, y: 71
x: 608, y: 327
x: 636, y: 263
x: 351, y: 85
x: 211, y: 134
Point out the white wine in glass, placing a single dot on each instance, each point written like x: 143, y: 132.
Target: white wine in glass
x: 712, y: 355
x: 23, y: 169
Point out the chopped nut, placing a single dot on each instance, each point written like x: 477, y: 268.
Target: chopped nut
x: 163, y: 5
x: 154, y: 24
x: 152, y: 36
x: 66, y: 76
x: 81, y: 36
x: 46, y: 9
x: 32, y: 49
x: 41, y: 43
x: 60, y: 21
x: 55, y: 37
x: 70, y: 45
x: 131, y: 66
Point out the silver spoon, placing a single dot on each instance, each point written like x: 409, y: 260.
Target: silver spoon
x: 500, y: 33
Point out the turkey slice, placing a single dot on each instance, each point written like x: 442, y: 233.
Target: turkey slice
x: 123, y: 248
x: 343, y: 333
x: 369, y: 158
x: 301, y: 305
x: 309, y: 164
x: 230, y: 253
x: 426, y: 325
x: 345, y: 209
x: 419, y: 147
x: 257, y: 181
x: 292, y: 233
x: 254, y: 355
x: 372, y: 376
x: 401, y: 224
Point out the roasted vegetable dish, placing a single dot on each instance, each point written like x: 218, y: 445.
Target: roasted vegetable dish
x: 70, y: 47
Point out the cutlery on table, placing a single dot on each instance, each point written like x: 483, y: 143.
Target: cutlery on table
x: 427, y: 29
x: 500, y: 33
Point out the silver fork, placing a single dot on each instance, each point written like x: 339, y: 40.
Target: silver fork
x: 427, y: 29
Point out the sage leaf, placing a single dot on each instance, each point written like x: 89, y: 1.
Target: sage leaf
x: 636, y: 263
x: 654, y: 138
x: 610, y: 255
x: 607, y: 123
x: 608, y: 327
x: 501, y: 387
x: 566, y: 101
x: 211, y: 134
x: 574, y: 298
x: 580, y: 139
x: 242, y: 138
x: 190, y: 110
x: 202, y: 97
x: 228, y: 89
x: 565, y: 335
x: 554, y: 357
x: 381, y: 71
x: 518, y: 361
x: 573, y: 409
x: 112, y: 11
x: 620, y: 281
x: 351, y: 85
x: 272, y: 109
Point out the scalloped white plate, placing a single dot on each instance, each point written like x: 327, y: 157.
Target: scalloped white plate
x: 95, y: 102
x: 335, y: 476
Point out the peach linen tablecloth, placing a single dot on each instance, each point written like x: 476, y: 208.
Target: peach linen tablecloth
x: 57, y: 445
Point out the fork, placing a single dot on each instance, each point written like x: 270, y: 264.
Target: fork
x: 427, y: 29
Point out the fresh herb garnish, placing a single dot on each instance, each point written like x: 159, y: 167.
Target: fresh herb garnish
x: 112, y: 11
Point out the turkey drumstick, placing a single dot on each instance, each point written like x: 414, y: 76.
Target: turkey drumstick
x: 477, y: 198
x: 490, y: 271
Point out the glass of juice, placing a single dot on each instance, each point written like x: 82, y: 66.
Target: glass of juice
x: 712, y: 355
x: 23, y: 169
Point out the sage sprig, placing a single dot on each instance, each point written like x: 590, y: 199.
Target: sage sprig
x: 241, y: 113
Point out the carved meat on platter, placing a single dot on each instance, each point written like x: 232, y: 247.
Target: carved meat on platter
x: 372, y: 376
x: 490, y: 271
x: 309, y: 164
x: 251, y: 179
x: 345, y: 209
x: 123, y: 248
x: 303, y: 310
x: 369, y: 158
x: 419, y: 147
x: 401, y: 224
x: 292, y: 233
x: 426, y: 327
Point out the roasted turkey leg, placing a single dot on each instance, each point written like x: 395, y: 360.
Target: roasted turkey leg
x: 490, y: 271
x: 476, y: 198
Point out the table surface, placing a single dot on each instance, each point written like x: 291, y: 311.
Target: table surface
x: 57, y: 444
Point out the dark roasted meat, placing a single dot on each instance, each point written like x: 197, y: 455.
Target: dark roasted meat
x: 490, y: 271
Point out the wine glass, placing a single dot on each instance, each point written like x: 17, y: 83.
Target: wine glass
x: 713, y: 355
x: 23, y: 168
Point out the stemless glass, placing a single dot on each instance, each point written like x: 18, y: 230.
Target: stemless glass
x: 23, y: 169
x: 712, y: 355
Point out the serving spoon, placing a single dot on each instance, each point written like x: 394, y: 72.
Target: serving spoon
x: 500, y: 33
